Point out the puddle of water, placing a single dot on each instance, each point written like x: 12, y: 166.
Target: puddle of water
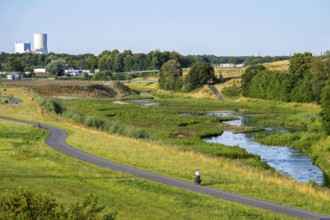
x: 144, y: 103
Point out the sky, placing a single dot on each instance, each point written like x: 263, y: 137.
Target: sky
x: 196, y: 27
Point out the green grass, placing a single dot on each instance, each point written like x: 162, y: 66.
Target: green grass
x: 164, y: 124
x: 33, y: 165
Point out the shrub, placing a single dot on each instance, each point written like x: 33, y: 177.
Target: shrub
x: 95, y: 122
x: 233, y: 91
x: 24, y: 204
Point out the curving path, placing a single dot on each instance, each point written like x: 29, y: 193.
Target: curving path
x: 12, y: 100
x: 56, y: 140
x: 216, y: 92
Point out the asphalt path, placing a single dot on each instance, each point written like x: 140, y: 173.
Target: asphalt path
x: 56, y: 140
x: 216, y: 92
x: 12, y: 100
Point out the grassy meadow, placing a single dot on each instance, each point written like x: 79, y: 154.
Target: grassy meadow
x: 170, y: 151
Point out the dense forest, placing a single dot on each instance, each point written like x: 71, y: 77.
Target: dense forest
x: 115, y: 61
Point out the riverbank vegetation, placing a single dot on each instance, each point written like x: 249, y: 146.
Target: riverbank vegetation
x: 307, y: 81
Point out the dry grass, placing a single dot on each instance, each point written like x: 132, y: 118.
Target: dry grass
x: 143, y: 86
x: 72, y: 88
x: 202, y: 93
x: 228, y: 72
x: 282, y: 66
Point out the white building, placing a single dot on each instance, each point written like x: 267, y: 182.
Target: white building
x: 230, y: 65
x: 14, y: 75
x: 74, y: 72
x: 22, y: 47
x: 39, y: 71
x: 40, y: 43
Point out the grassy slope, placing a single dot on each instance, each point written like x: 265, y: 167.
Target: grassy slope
x: 26, y: 161
x: 73, y: 88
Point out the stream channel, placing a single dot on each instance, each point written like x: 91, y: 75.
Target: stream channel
x: 286, y: 160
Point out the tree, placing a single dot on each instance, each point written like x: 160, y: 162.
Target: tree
x: 300, y: 63
x: 170, y: 76
x: 320, y: 70
x: 91, y: 63
x: 325, y: 107
x: 201, y: 73
x: 15, y: 65
x: 300, y: 86
x: 102, y: 75
x: 248, y: 75
x: 56, y: 67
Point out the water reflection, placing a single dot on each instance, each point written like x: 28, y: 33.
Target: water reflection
x: 286, y: 160
x: 144, y: 103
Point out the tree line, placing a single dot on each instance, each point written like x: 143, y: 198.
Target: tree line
x: 115, y: 61
x: 307, y: 81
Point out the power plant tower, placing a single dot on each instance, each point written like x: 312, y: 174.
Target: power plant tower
x: 40, y: 43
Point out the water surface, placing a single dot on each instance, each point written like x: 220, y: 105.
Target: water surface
x: 144, y: 103
x: 284, y: 159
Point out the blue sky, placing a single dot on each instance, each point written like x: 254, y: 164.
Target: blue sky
x: 219, y: 27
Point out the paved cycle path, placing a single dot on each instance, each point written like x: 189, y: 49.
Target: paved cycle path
x: 56, y: 140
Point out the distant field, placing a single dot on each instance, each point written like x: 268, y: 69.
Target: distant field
x: 226, y: 72
x: 282, y: 66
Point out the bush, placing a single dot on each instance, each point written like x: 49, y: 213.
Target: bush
x: 49, y: 105
x: 135, y: 133
x: 24, y: 204
x: 233, y: 91
x: 95, y: 122
x: 111, y: 127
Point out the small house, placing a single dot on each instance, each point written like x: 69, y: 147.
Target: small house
x: 14, y: 75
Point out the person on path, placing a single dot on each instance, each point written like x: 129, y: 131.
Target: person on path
x: 198, y: 177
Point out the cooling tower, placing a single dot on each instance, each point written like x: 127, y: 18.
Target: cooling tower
x: 40, y: 43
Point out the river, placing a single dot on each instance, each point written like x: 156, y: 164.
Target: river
x: 284, y: 159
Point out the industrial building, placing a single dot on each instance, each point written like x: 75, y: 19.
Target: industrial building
x: 40, y: 43
x: 22, y: 47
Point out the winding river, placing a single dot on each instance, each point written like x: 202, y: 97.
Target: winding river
x: 286, y: 160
